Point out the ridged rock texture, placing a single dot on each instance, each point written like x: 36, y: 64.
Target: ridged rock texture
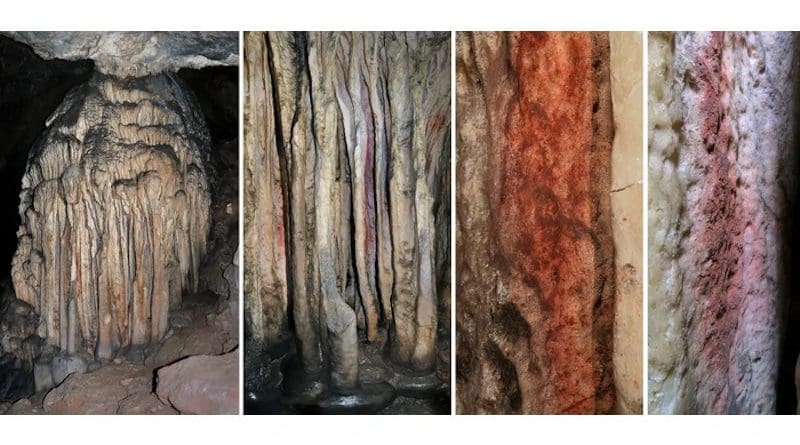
x: 536, y: 272
x: 115, y: 213
x: 347, y: 155
x: 722, y: 113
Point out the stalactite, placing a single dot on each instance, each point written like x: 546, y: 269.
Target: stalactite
x: 360, y: 125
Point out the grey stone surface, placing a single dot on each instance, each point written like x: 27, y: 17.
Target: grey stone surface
x: 136, y: 54
x: 65, y: 365
x: 43, y: 375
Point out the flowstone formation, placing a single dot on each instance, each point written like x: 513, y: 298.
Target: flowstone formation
x: 115, y: 204
x: 549, y: 205
x: 347, y: 151
x: 115, y: 214
x: 722, y: 144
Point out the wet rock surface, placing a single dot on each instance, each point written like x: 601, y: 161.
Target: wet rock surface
x: 276, y: 384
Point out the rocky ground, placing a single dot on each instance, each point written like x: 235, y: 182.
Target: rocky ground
x: 199, y: 355
x: 384, y: 389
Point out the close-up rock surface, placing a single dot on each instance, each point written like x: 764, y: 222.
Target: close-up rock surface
x: 548, y: 227
x: 723, y: 312
x: 347, y: 222
x: 128, y: 216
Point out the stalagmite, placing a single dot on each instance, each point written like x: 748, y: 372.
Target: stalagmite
x: 116, y: 194
x: 352, y: 130
x: 115, y: 214
x: 536, y: 278
x: 721, y: 153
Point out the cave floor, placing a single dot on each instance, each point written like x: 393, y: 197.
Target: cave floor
x: 274, y: 385
x: 205, y: 325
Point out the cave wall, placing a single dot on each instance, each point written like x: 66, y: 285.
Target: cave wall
x: 535, y: 232
x: 347, y: 154
x: 722, y: 113
x: 135, y: 53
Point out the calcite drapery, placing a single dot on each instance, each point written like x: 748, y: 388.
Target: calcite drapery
x: 346, y: 173
x: 534, y: 248
x: 721, y: 141
x: 114, y: 209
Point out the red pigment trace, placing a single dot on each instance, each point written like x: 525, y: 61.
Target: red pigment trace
x: 547, y: 205
x: 717, y: 292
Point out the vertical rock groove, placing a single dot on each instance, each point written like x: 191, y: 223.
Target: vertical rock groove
x: 536, y: 271
x: 363, y: 123
x: 265, y: 276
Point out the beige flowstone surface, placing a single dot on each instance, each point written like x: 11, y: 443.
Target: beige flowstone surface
x: 115, y: 214
x: 626, y: 210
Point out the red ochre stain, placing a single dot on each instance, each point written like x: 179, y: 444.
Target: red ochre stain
x: 717, y: 292
x: 545, y: 204
x: 369, y: 185
x: 435, y: 127
x: 436, y: 123
x: 280, y: 229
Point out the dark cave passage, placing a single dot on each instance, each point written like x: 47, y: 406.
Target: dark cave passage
x: 30, y: 90
x: 788, y: 383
